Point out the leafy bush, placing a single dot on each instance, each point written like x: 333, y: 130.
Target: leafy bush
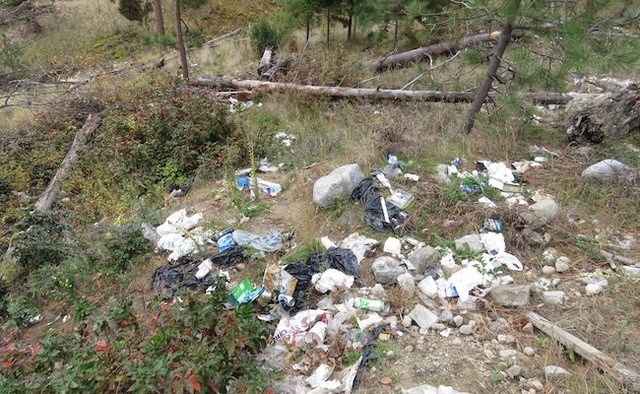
x: 194, y: 345
x: 133, y: 10
x: 263, y: 35
x: 40, y: 240
x: 126, y: 247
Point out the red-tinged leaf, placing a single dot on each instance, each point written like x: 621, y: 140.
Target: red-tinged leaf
x: 8, y: 364
x: 103, y: 346
x: 213, y: 387
x: 35, y: 348
x: 9, y: 347
x: 193, y: 379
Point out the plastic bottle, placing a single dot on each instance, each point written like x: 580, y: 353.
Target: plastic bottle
x: 373, y: 305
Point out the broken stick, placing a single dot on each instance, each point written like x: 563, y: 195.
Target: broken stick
x: 51, y: 192
x: 627, y: 376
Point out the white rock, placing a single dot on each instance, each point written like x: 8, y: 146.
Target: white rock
x: 554, y: 297
x: 562, y: 264
x: 458, y: 320
x: 473, y: 241
x: 555, y: 372
x: 428, y: 286
x: 535, y: 384
x: 548, y: 270
x: 386, y: 270
x: 406, y: 321
x: 592, y: 289
x: 339, y: 183
x: 423, y: 316
x: 466, y: 329
x: 407, y: 284
x: 631, y: 272
x: 529, y: 351
x: 507, y: 353
x: 392, y: 246
x: 514, y: 371
x: 540, y: 213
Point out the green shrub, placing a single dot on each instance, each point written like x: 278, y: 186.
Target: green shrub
x: 40, y: 240
x: 126, y: 247
x: 193, y: 345
x: 263, y: 35
x: 133, y: 10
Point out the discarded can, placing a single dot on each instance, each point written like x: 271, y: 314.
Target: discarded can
x: 493, y: 225
x: 372, y: 305
x: 225, y: 242
x: 286, y: 301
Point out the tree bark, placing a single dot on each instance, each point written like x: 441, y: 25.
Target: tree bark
x: 369, y: 94
x: 159, y: 18
x: 349, y: 27
x: 180, y: 42
x: 404, y: 59
x: 308, y: 28
x: 328, y: 24
x: 505, y: 37
x: 627, y: 376
x: 266, y: 62
x: 48, y: 197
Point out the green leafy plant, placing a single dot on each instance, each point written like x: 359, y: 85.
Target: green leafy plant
x: 304, y: 251
x: 262, y: 35
x: 40, y: 239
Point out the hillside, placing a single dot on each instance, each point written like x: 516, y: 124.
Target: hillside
x: 112, y: 288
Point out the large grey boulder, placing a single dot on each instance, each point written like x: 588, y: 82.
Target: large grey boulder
x: 511, y: 295
x: 610, y: 170
x: 540, y: 213
x: 386, y: 270
x: 423, y: 257
x: 339, y: 183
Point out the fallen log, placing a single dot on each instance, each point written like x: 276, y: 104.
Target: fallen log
x: 48, y: 197
x: 627, y: 376
x: 267, y: 60
x: 407, y: 58
x: 604, y: 116
x: 371, y: 94
x: 215, y: 41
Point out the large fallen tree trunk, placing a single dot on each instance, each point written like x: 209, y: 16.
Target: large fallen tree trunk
x: 627, y: 376
x: 371, y: 94
x: 609, y: 115
x: 414, y: 55
x: 47, y: 198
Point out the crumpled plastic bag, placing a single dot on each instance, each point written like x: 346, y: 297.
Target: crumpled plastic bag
x: 359, y: 245
x: 270, y: 242
x: 374, y: 212
x: 332, y: 280
x: 167, y: 279
x: 343, y: 260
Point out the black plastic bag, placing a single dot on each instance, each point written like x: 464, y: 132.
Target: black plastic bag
x: 228, y: 257
x: 368, y: 354
x: 367, y: 193
x: 167, y: 279
x: 304, y: 271
x: 343, y: 260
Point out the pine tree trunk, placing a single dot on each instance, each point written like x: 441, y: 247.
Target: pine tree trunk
x: 328, y: 23
x: 308, y: 28
x: 395, y: 36
x: 180, y: 42
x: 481, y: 96
x: 349, y: 28
x: 159, y: 18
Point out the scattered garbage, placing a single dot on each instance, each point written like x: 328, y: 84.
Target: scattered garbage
x: 167, y: 279
x: 270, y: 242
x: 400, y: 198
x: 379, y: 214
x: 245, y: 292
x: 269, y: 188
x: 332, y: 280
x: 177, y: 190
x: 373, y: 305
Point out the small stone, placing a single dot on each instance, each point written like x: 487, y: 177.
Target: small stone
x: 489, y: 354
x: 386, y: 270
x: 532, y: 238
x: 548, y: 256
x: 408, y: 349
x: 446, y: 316
x: 428, y: 287
x: 540, y: 213
x: 556, y: 282
x: 562, y: 264
x: 466, y: 329
x: 592, y: 289
x: 514, y: 371
x: 390, y: 354
x: 423, y: 331
x: 438, y: 327
x: 500, y: 324
x: 548, y: 270
x: 423, y: 316
x: 507, y: 353
x: 407, y: 284
x: 406, y: 321
x: 554, y: 297
x: 529, y: 351
x: 458, y: 320
x: 528, y: 328
x: 240, y: 267
x: 511, y: 295
x: 555, y: 372
x: 423, y: 257
x: 456, y: 341
x: 506, y: 339
x: 535, y: 384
